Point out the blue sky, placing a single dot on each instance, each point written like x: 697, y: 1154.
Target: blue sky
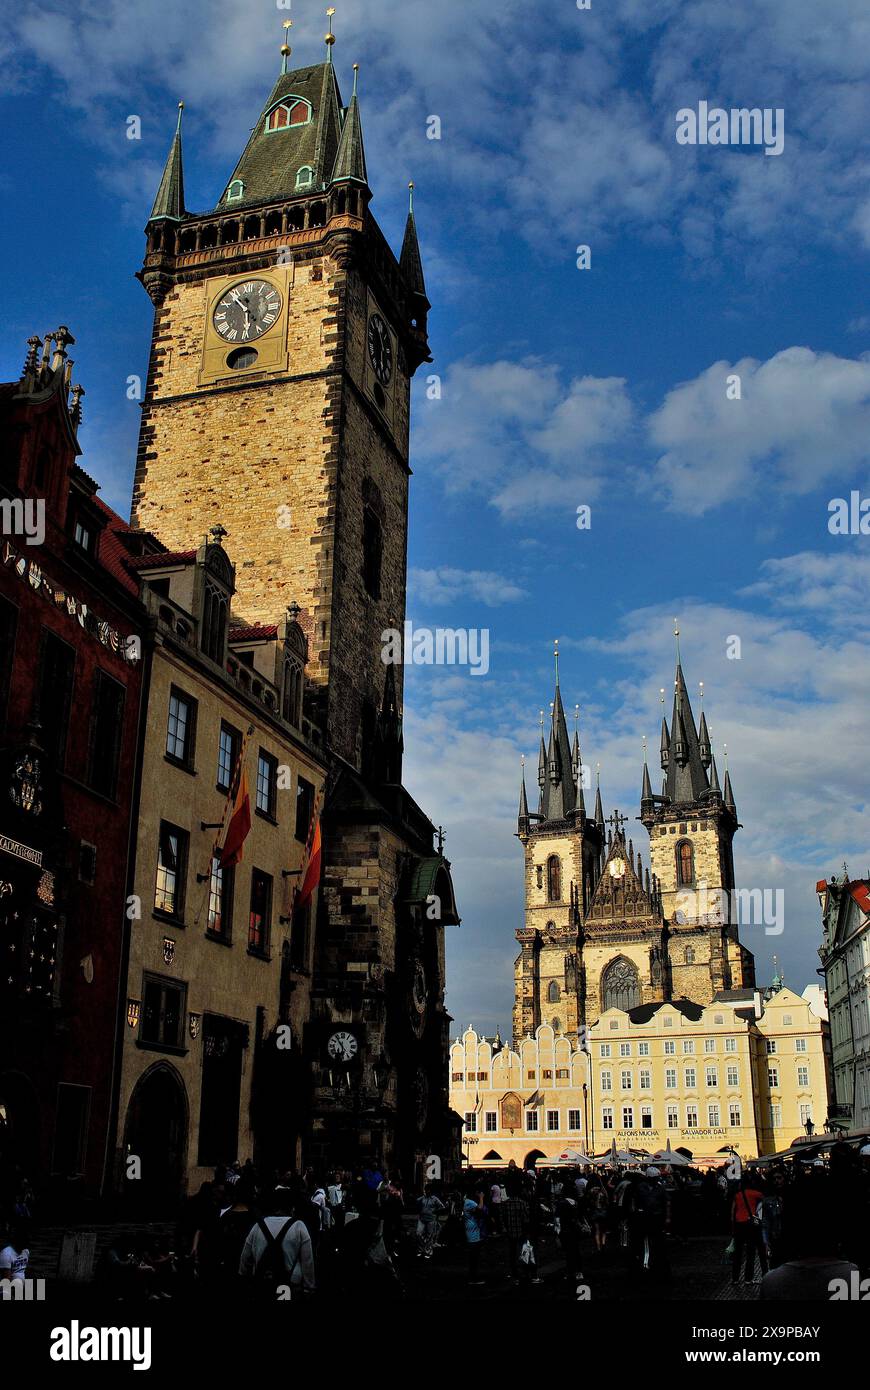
x: 560, y: 387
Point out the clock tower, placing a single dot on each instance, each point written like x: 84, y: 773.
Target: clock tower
x: 285, y: 336
x: 286, y: 333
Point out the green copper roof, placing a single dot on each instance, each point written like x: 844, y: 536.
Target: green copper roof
x: 170, y: 195
x: 272, y: 159
x: 350, y: 161
x: 410, y: 261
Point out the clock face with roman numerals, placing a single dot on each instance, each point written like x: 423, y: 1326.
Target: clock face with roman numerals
x: 247, y: 311
x: 380, y: 349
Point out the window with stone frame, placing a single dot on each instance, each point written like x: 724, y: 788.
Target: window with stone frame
x: 213, y: 627
x: 685, y: 862
x: 553, y: 992
x: 554, y: 879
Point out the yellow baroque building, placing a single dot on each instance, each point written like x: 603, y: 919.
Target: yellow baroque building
x: 741, y: 1073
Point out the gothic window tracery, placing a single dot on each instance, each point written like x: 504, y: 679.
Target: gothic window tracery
x: 620, y: 985
x: 553, y: 993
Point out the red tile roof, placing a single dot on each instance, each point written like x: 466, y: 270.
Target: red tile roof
x: 165, y: 557
x: 255, y: 632
x: 113, y: 553
x: 860, y: 891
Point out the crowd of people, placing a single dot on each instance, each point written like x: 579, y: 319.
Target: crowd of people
x: 789, y: 1230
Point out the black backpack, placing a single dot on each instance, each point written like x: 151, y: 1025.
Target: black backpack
x: 271, y: 1269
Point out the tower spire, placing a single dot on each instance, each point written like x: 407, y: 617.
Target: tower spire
x: 169, y: 202
x: 285, y: 47
x: 350, y: 158
x: 523, y: 815
x: 647, y: 804
x: 329, y: 39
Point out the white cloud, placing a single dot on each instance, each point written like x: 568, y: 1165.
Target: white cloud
x: 515, y: 432
x: 446, y: 584
x: 803, y: 419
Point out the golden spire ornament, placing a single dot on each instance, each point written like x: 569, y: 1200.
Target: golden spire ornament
x: 329, y: 39
x: 285, y: 47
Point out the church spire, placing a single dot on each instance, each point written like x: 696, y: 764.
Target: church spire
x: 728, y: 796
x: 169, y: 202
x: 560, y: 788
x: 523, y: 815
x: 599, y: 809
x: 647, y: 804
x: 686, y: 778
x: 350, y: 159
x: 410, y: 260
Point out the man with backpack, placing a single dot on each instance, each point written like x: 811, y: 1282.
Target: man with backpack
x: 278, y: 1252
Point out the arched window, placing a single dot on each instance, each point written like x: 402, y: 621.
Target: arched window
x: 554, y: 879
x: 305, y: 177
x: 556, y: 1025
x: 288, y: 113
x: 620, y: 986
x: 685, y: 862
x: 553, y: 993
x: 236, y: 191
x: 214, y: 621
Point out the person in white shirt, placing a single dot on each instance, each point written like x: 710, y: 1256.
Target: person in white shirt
x: 296, y: 1246
x: 15, y: 1256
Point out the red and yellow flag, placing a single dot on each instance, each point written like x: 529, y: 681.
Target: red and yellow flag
x: 240, y: 824
x: 312, y: 872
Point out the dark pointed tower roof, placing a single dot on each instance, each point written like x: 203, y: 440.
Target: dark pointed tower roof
x: 729, y: 794
x: 560, y: 789
x: 523, y: 814
x: 704, y: 745
x: 410, y: 260
x: 599, y: 809
x: 686, y: 778
x: 714, y: 775
x: 647, y: 804
x: 169, y: 202
x: 272, y: 159
x: 350, y: 159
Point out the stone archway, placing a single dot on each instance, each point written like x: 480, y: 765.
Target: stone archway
x: 156, y: 1133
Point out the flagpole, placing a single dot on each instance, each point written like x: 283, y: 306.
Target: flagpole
x: 234, y: 785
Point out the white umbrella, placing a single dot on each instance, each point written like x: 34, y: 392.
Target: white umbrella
x: 573, y: 1156
x: 676, y: 1160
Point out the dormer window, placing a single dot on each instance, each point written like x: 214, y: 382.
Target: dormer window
x: 236, y: 191
x: 305, y: 177
x: 286, y: 114
x: 84, y: 537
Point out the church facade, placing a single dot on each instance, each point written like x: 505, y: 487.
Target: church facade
x: 601, y: 930
x: 637, y: 1021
